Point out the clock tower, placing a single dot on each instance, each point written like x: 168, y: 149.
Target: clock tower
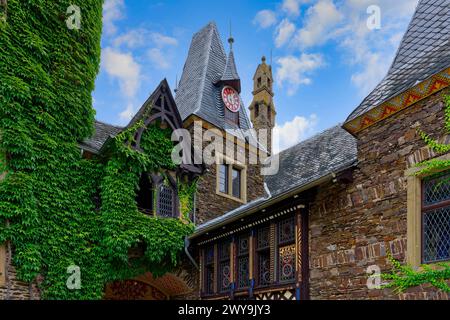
x: 262, y: 108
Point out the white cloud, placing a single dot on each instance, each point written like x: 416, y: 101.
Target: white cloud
x: 292, y: 132
x: 265, y: 19
x: 112, y: 12
x: 127, y: 114
x: 142, y: 37
x: 295, y: 71
x: 321, y: 18
x: 132, y: 39
x: 284, y: 32
x: 292, y: 7
x: 158, y: 58
x: 161, y: 40
x: 124, y: 68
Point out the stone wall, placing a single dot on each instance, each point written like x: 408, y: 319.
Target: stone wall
x: 209, y: 204
x: 14, y: 289
x: 354, y: 226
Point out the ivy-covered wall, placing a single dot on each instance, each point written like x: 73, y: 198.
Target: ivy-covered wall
x: 49, y: 209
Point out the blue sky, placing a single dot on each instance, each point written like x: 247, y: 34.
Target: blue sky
x: 325, y: 58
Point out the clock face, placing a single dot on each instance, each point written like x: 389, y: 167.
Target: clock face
x: 231, y: 99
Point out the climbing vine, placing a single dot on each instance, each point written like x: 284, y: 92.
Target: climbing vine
x: 404, y: 277
x: 56, y: 208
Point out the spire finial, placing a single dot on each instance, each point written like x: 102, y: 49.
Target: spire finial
x: 231, y: 39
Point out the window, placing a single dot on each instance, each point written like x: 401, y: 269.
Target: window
x: 145, y: 195
x: 286, y: 250
x: 259, y: 82
x: 224, y: 266
x: 236, y: 178
x: 436, y: 218
x: 209, y: 270
x: 231, y: 181
x: 166, y: 201
x: 263, y: 256
x: 256, y: 110
x: 223, y: 178
x: 243, y: 262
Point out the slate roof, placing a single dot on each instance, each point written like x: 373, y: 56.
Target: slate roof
x: 424, y: 51
x: 326, y: 153
x: 230, y: 72
x: 102, y: 132
x: 197, y: 93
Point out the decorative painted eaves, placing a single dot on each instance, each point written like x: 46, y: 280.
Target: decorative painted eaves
x: 400, y: 102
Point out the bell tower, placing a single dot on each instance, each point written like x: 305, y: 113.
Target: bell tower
x: 262, y: 108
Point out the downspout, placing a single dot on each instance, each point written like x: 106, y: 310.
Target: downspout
x: 187, y: 243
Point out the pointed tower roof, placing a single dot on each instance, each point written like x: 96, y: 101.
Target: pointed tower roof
x: 206, y: 65
x: 230, y: 74
x: 424, y: 52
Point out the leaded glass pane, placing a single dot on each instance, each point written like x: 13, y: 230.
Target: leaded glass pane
x: 287, y: 263
x: 224, y: 250
x: 436, y: 189
x: 243, y: 245
x: 209, y: 255
x: 166, y: 202
x: 243, y: 272
x: 225, y: 273
x: 263, y: 238
x: 264, y: 268
x: 436, y: 235
x: 209, y: 281
x: 286, y: 230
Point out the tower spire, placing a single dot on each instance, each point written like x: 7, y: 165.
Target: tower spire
x: 231, y: 39
x: 262, y: 108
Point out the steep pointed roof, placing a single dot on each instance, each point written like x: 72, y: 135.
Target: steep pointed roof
x: 230, y: 73
x: 205, y: 66
x: 424, y: 52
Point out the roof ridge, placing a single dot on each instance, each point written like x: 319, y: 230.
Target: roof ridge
x: 205, y: 69
x: 109, y: 124
x: 321, y: 133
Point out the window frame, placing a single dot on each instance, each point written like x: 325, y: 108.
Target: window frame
x: 428, y: 209
x: 414, y: 212
x: 232, y: 165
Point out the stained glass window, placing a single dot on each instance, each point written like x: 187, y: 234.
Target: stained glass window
x: 263, y: 255
x: 286, y: 249
x: 224, y: 266
x: 264, y: 268
x: 286, y: 231
x: 243, y: 262
x: 243, y: 272
x: 263, y: 237
x: 287, y: 263
x: 436, y: 219
x: 209, y: 270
